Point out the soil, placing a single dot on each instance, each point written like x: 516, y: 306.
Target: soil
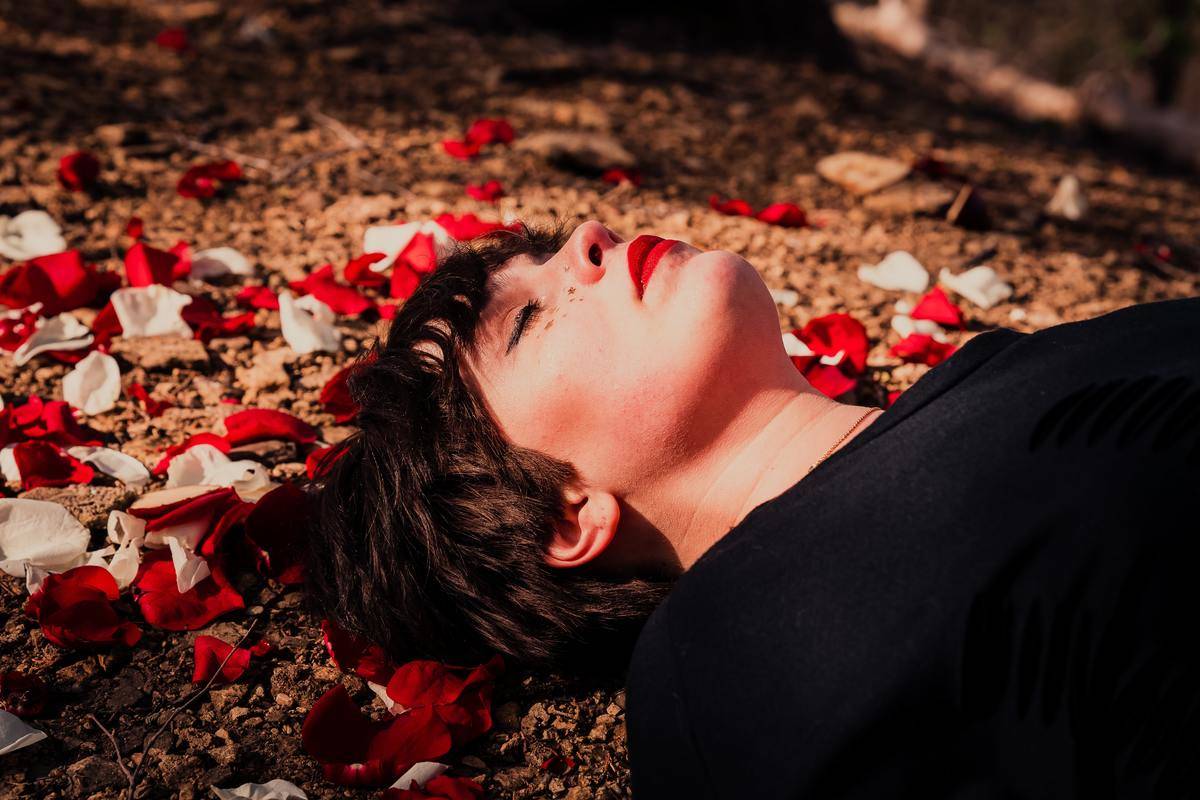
x: 337, y: 112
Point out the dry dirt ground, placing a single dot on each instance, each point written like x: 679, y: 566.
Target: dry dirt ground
x: 266, y: 83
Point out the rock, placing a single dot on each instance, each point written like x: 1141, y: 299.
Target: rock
x: 578, y: 150
x: 223, y: 697
x: 473, y: 762
x: 266, y: 372
x: 1069, y: 201
x: 93, y: 773
x: 161, y: 352
x: 268, y: 451
x: 88, y: 504
x: 579, y: 793
x: 861, y: 173
x: 910, y: 198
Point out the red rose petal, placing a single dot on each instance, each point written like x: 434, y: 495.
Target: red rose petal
x: 920, y: 348
x: 60, y: 282
x: 274, y: 530
x: 734, y: 207
x: 207, y: 321
x: 357, y: 751
x: 202, y: 180
x: 351, y: 653
x: 258, y: 297
x: 468, y: 226
x: 22, y: 694
x: 208, y: 652
x: 341, y: 298
x: 75, y: 609
x: 164, y: 607
x: 490, y: 131
x: 146, y: 265
x: 441, y: 787
x: 135, y: 229
x: 463, y: 703
x: 936, y: 306
x: 785, y: 215
x: 318, y: 462
x: 618, y: 176
x: 893, y: 396
x: 335, y: 394
x: 488, y: 192
x: 52, y: 422
x: 219, y: 442
x: 461, y: 149
x: 358, y: 272
x: 105, y: 327
x: 151, y: 406
x: 175, y: 39
x: 78, y: 171
x: 259, y: 424
x: 829, y: 334
x: 43, y: 464
x: 16, y: 329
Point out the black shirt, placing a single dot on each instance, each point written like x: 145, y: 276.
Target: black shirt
x: 991, y: 592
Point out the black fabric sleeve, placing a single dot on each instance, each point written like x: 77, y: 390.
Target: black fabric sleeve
x: 664, y: 761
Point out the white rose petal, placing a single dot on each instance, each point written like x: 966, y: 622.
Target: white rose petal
x: 277, y: 789
x: 905, y: 325
x: 793, y: 345
x: 30, y: 234
x: 420, y: 773
x: 898, y: 271
x: 62, y: 332
x: 41, y: 533
x: 307, y: 324
x: 190, y: 568
x: 151, y: 311
x: 218, y: 261
x: 188, y: 533
x: 34, y: 577
x: 125, y: 468
x: 15, y: 734
x: 8, y: 464
x: 785, y: 297
x: 128, y: 533
x: 205, y: 465
x: 980, y: 285
x: 94, y: 385
x: 392, y: 239
x: 1069, y: 201
x: 833, y: 360
x: 381, y: 692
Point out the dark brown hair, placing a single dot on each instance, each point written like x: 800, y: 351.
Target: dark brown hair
x: 431, y: 526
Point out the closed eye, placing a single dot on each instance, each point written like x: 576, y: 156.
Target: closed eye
x: 526, y: 315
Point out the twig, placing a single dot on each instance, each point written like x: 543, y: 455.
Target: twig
x: 116, y: 748
x: 306, y: 161
x: 345, y: 134
x: 220, y: 150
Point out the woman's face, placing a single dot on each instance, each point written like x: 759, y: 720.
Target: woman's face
x: 625, y: 384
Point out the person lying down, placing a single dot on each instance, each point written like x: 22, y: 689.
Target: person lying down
x: 572, y: 444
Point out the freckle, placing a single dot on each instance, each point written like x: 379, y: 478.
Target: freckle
x: 546, y: 327
x: 571, y: 290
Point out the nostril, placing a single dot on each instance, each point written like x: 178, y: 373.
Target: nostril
x: 596, y: 254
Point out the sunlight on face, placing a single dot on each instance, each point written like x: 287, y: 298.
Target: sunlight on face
x: 620, y: 385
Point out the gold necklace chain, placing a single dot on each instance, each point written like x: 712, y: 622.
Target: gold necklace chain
x: 829, y: 452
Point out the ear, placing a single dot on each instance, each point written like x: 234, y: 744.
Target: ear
x: 587, y: 529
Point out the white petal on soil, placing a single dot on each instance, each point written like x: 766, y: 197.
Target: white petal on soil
x: 128, y: 533
x: 39, y: 532
x: 419, y: 774
x: 254, y: 485
x: 151, y: 311
x: 63, y: 332
x: 1069, y: 200
x: 34, y: 577
x: 206, y: 465
x: 392, y: 239
x: 8, y: 464
x: 381, y: 692
x: 980, y: 285
x: 125, y: 468
x: 833, y: 360
x: 906, y: 326
x: 30, y: 234
x: 785, y: 297
x: 307, y: 324
x: 15, y: 734
x: 277, y: 789
x: 898, y: 271
x: 793, y: 345
x: 94, y: 385
x: 218, y: 261
x: 190, y: 568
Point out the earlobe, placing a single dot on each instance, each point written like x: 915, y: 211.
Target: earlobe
x: 587, y: 529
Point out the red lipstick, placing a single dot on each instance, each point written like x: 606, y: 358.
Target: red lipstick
x: 643, y: 255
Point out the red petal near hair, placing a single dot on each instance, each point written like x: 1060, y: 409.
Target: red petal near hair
x: 462, y: 702
x: 828, y: 335
x: 258, y: 297
x: 274, y: 529
x: 442, y: 787
x: 60, y: 282
x: 488, y: 192
x: 404, y: 281
x: 617, y: 176
x: 164, y: 607
x: 219, y: 442
x: 420, y: 253
x: 75, y: 609
x: 43, y: 464
x: 468, y: 226
x: 341, y: 298
x: 320, y: 460
x: 207, y: 508
x: 208, y: 652
x: 936, y: 306
x: 461, y: 149
x: 734, y: 207
x: 260, y: 424
x: 490, y: 131
x: 335, y: 396
x: 786, y: 215
x: 351, y: 653
x: 358, y: 272
x: 146, y: 265
x: 920, y: 348
x: 78, y: 171
x: 22, y: 694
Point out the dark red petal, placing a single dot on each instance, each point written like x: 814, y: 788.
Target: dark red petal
x: 43, y: 464
x: 60, y: 282
x: 105, y: 327
x: 164, y: 607
x: 920, y: 348
x: 936, y: 306
x: 15, y: 330
x: 146, y: 265
x: 75, y: 609
x: 734, y: 207
x: 258, y: 297
x: 78, y: 171
x: 152, y: 407
x: 275, y: 532
x: 351, y: 653
x: 259, y: 424
x: 175, y: 39
x: 832, y: 333
x: 358, y: 272
x: 208, y: 652
x: 135, y: 228
x: 786, y: 215
x: 490, y: 131
x: 22, y: 694
x: 318, y: 462
x: 219, y: 442
x: 442, y: 787
x: 335, y: 395
x: 617, y: 176
x: 206, y: 320
x: 830, y: 381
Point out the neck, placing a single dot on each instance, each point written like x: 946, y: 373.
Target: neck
x: 769, y: 448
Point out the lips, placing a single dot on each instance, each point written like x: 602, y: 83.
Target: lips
x: 643, y: 254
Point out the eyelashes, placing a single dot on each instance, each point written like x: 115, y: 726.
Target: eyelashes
x: 526, y: 315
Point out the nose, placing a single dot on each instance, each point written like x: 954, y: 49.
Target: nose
x: 588, y: 248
